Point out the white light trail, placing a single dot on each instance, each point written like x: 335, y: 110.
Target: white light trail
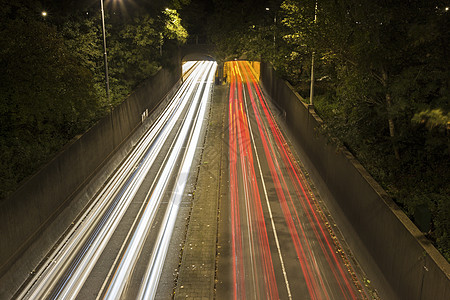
x: 131, y: 255
x: 95, y: 227
x: 150, y: 283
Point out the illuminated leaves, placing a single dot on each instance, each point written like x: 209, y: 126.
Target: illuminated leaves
x: 435, y: 118
x: 174, y: 30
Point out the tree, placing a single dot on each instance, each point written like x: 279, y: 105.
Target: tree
x: 46, y: 97
x: 387, y: 80
x: 52, y: 84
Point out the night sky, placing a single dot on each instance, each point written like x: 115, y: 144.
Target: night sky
x: 195, y: 15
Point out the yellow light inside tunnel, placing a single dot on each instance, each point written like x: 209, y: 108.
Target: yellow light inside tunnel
x: 256, y: 69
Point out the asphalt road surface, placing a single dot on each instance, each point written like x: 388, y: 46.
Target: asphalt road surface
x: 279, y: 243
x: 143, y: 236
x: 119, y: 246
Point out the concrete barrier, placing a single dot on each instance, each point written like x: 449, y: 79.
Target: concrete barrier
x: 28, y: 213
x: 388, y: 243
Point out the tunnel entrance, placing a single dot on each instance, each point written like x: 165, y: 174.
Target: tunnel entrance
x: 196, y: 51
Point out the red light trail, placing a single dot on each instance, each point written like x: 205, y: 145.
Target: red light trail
x: 256, y: 274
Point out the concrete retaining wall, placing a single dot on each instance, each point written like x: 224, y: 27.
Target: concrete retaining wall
x: 30, y: 210
x: 389, y: 241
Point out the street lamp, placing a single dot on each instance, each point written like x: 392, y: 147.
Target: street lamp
x: 274, y: 31
x: 104, y: 52
x: 311, y: 91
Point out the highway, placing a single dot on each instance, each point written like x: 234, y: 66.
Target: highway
x: 281, y: 243
x: 119, y: 245
x: 274, y: 237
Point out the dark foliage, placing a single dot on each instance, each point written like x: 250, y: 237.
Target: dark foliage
x: 52, y: 80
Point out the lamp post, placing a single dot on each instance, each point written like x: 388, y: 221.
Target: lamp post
x: 311, y: 91
x: 104, y: 53
x: 274, y: 31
